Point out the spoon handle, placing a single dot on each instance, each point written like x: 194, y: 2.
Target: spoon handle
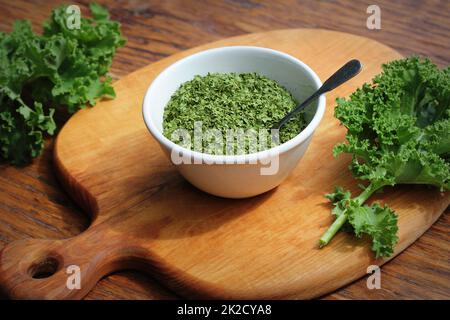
x: 346, y: 72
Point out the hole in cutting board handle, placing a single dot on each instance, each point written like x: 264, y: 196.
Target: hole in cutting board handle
x: 44, y: 268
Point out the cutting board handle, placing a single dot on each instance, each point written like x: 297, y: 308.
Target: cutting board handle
x: 60, y: 269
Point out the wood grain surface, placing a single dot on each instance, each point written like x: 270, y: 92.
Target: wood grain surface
x: 146, y: 216
x: 33, y: 205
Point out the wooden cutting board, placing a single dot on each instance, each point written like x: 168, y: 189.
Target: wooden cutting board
x: 146, y: 217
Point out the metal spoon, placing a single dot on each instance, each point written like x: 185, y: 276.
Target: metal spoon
x: 346, y: 72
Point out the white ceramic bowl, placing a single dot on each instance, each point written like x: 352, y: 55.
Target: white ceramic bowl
x: 236, y: 176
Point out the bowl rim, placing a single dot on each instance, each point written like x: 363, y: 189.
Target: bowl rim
x: 242, y: 158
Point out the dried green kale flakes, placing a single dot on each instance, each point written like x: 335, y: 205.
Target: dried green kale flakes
x: 227, y: 101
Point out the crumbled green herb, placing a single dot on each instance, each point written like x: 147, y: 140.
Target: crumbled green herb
x: 225, y: 101
x: 64, y: 67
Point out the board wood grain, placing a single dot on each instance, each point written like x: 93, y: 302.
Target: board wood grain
x: 145, y: 216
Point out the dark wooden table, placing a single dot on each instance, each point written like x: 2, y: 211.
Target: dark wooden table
x: 32, y: 203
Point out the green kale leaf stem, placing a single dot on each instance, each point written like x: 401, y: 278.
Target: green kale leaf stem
x: 342, y: 218
x: 398, y: 132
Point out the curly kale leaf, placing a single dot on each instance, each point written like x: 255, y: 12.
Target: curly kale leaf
x: 91, y: 50
x: 379, y: 223
x: 62, y: 68
x: 398, y: 132
x: 398, y: 128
